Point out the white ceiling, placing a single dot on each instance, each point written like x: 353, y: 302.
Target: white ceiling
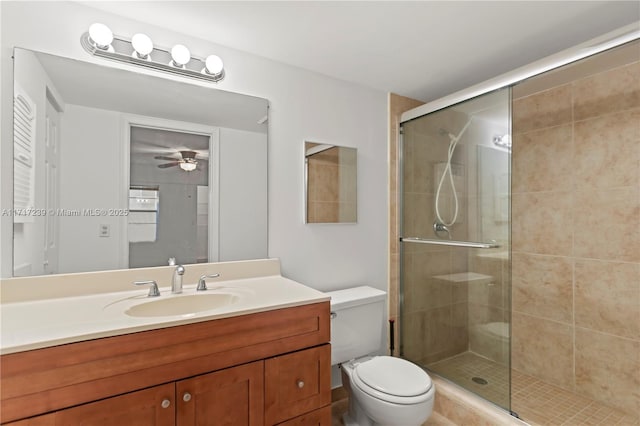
x: 421, y: 49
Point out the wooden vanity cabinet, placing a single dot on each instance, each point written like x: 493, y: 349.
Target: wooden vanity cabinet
x: 229, y: 397
x: 148, y: 407
x: 261, y: 369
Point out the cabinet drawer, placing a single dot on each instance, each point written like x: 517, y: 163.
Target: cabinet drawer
x: 320, y: 417
x: 148, y: 407
x: 297, y: 383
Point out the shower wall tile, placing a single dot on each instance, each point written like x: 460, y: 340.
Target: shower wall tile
x: 440, y: 331
x: 607, y: 297
x: 542, y: 160
x: 587, y: 294
x: 418, y: 224
x: 320, y: 211
x: 413, y: 335
x: 543, y: 348
x: 607, y: 92
x: 607, y: 224
x: 544, y: 109
x: 394, y: 285
x: 542, y: 223
x: 607, y: 151
x: 460, y: 332
x: 543, y: 286
x: 608, y: 369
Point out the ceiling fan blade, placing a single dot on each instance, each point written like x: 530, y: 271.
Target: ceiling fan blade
x: 164, y: 157
x: 165, y: 165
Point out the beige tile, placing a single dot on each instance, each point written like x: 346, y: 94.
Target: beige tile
x: 418, y: 214
x: 413, y: 334
x: 487, y: 294
x: 608, y: 369
x: 460, y: 327
x: 421, y: 290
x: 438, y: 420
x: 541, y: 223
x: 544, y: 109
x: 541, y: 160
x: 439, y: 330
x: 482, y: 314
x: 394, y: 287
x: 543, y: 349
x: 607, y: 224
x: 614, y: 90
x: 607, y: 151
x: 607, y: 297
x: 543, y: 286
x: 324, y: 212
x: 324, y: 178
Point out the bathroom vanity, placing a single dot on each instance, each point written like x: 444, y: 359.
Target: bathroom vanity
x: 262, y: 360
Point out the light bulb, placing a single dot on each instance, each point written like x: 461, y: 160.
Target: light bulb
x: 142, y: 45
x: 213, y: 65
x: 180, y: 55
x: 100, y: 35
x: 188, y: 166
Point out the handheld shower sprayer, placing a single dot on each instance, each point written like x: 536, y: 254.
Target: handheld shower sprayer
x: 442, y: 224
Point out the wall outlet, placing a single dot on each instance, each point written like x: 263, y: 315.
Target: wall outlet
x: 104, y: 230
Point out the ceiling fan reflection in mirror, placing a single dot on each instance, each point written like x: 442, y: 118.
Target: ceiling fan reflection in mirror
x: 187, y: 162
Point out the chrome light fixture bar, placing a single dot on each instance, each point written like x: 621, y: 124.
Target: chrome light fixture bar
x: 99, y: 41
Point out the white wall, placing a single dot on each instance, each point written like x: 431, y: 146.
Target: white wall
x: 303, y: 106
x: 243, y: 192
x: 91, y: 155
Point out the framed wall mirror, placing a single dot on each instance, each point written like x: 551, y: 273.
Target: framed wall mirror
x: 116, y: 169
x: 330, y: 183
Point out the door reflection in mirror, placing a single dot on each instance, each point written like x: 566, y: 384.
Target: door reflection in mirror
x: 169, y: 178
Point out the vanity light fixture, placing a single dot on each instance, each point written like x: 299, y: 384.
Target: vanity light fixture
x: 100, y: 41
x: 142, y: 46
x: 100, y: 36
x: 180, y: 56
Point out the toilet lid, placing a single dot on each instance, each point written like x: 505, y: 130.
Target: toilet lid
x: 393, y: 376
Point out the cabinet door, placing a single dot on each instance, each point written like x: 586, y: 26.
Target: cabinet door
x: 149, y: 407
x: 320, y: 417
x: 231, y: 397
x: 297, y: 383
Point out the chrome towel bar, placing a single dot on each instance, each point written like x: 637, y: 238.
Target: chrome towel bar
x: 470, y: 244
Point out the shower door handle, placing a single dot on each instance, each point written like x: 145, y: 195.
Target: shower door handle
x: 451, y: 243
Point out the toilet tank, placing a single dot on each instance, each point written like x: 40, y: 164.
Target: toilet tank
x: 357, y: 316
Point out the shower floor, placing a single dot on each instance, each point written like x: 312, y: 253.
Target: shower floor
x: 536, y: 402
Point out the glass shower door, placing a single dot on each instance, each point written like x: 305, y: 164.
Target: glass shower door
x: 455, y: 262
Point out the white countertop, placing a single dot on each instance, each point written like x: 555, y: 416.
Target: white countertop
x: 41, y: 323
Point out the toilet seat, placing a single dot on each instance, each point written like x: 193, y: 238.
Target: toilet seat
x: 393, y: 380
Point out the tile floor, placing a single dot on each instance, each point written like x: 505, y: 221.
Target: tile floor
x: 536, y: 402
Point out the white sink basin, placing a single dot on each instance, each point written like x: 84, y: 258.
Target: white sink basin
x: 182, y: 305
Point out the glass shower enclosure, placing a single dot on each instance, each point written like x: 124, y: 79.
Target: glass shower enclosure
x: 455, y: 244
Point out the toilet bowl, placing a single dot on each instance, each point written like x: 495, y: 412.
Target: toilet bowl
x: 386, y: 391
x: 383, y: 390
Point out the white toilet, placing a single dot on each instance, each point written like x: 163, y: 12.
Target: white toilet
x: 383, y: 390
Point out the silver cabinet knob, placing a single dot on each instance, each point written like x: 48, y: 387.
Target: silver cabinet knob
x: 186, y: 397
x: 300, y: 384
x: 165, y: 403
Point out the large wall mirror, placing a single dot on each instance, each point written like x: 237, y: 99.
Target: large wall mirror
x: 330, y: 183
x: 115, y: 169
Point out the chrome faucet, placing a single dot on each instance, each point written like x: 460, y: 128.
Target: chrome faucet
x: 176, y: 281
